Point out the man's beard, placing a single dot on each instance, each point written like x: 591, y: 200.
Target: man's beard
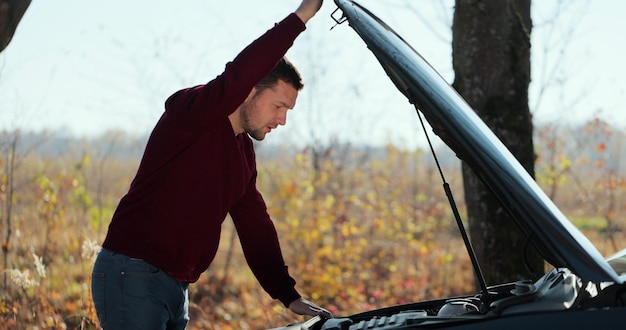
x: 256, y: 133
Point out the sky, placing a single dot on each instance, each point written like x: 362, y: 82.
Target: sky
x: 85, y: 67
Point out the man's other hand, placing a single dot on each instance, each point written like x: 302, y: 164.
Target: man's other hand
x: 308, y: 9
x: 304, y: 307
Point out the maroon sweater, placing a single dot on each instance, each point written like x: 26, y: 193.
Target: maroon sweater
x: 195, y: 170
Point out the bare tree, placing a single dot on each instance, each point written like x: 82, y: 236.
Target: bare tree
x: 7, y: 192
x: 14, y: 149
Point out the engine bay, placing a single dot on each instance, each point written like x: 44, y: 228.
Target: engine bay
x: 557, y: 290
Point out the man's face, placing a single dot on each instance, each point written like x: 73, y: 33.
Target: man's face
x: 268, y: 109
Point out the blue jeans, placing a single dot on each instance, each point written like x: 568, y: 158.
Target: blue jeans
x: 130, y: 293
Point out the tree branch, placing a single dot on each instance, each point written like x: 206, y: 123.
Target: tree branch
x: 11, y: 13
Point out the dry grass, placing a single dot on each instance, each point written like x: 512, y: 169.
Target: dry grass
x: 358, y: 233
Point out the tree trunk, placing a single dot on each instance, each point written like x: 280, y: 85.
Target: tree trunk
x: 491, y: 59
x: 11, y: 13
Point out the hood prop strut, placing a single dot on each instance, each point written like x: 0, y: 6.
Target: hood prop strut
x: 468, y: 245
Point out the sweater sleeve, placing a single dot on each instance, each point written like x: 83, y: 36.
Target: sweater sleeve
x: 259, y: 241
x: 195, y: 106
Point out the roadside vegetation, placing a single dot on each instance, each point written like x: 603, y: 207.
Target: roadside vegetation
x: 360, y: 227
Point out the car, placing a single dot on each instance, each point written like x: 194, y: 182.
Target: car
x: 583, y: 290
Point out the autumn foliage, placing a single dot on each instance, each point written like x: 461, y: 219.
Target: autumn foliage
x: 360, y: 228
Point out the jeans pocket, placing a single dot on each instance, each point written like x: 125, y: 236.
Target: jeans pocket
x: 139, y: 267
x: 97, y: 294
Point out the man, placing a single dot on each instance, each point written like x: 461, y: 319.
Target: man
x: 198, y: 166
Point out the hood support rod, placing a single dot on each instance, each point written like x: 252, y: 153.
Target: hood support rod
x: 468, y: 245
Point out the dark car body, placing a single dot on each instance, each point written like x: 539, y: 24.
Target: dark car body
x: 583, y: 290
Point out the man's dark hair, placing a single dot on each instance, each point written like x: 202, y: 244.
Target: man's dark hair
x: 284, y: 71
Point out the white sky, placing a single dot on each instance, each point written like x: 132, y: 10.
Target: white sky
x: 84, y: 67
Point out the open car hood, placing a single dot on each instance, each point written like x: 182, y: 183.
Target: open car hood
x: 452, y: 119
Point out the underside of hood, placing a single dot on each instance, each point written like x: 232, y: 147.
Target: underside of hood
x: 452, y: 119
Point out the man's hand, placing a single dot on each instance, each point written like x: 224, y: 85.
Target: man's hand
x: 304, y: 307
x: 308, y: 9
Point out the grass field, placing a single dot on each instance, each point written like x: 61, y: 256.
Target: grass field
x: 357, y: 231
